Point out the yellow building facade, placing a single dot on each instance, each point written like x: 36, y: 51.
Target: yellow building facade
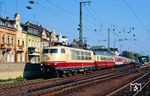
x: 33, y: 42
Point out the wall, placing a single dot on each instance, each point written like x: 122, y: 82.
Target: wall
x: 14, y: 70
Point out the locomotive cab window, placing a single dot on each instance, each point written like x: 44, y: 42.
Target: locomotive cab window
x: 62, y: 50
x: 45, y: 51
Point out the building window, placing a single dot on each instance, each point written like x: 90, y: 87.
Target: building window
x: 23, y: 43
x: 17, y: 26
x: 8, y: 25
x: 30, y: 30
x: 3, y: 40
x: 12, y: 41
x: 8, y: 39
x: 18, y: 42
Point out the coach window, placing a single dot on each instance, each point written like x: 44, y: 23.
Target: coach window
x: 78, y: 53
x: 82, y: 57
x: 82, y: 53
x: 62, y: 50
x: 97, y: 57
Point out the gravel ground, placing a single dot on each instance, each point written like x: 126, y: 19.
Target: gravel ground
x: 105, y: 87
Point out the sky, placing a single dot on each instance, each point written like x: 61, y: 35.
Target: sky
x: 128, y: 20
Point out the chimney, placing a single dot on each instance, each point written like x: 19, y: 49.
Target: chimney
x: 7, y: 18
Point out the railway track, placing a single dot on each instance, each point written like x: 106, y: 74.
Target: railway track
x: 79, y: 85
x: 44, y: 87
x: 138, y: 87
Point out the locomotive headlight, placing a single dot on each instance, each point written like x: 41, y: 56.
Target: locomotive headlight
x: 55, y: 64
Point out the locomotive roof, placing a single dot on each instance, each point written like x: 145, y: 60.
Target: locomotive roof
x: 79, y: 48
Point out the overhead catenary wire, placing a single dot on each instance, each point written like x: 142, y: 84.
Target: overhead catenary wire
x: 56, y: 13
x: 37, y: 22
x: 139, y: 20
x: 73, y: 14
x: 97, y: 17
x: 66, y: 10
x: 93, y: 24
x: 143, y: 12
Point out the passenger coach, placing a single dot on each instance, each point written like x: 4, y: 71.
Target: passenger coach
x: 104, y: 59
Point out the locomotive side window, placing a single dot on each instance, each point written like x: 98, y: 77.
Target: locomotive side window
x: 82, y: 55
x: 74, y: 55
x: 62, y: 50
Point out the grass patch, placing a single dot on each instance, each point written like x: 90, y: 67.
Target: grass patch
x: 13, y: 80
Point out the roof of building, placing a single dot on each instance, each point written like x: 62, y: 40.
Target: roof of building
x: 35, y: 26
x: 7, y: 23
x: 7, y: 19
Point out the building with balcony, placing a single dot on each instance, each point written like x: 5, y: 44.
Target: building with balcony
x: 20, y: 40
x: 7, y: 40
x: 33, y: 42
x: 24, y: 42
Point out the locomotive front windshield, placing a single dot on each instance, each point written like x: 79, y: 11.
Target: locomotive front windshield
x: 46, y: 51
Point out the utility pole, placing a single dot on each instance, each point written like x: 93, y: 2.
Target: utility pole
x: 108, y: 39
x: 80, y: 25
x: 114, y: 43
